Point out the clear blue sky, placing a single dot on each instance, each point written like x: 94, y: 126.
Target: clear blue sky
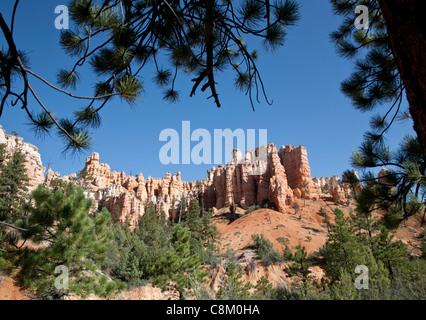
x: 302, y: 78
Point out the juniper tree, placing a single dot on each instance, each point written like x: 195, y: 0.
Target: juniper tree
x: 118, y: 40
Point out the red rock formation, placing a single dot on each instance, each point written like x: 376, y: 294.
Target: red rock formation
x: 241, y: 182
x: 341, y: 192
x: 296, y: 164
x: 244, y: 183
x: 263, y: 174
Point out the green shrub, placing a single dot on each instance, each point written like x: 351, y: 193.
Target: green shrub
x: 265, y: 251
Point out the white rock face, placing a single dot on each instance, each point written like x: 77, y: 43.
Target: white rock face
x: 35, y: 169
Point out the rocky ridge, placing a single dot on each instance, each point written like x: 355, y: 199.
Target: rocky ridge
x: 281, y: 177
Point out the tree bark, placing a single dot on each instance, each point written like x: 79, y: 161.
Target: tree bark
x: 406, y: 27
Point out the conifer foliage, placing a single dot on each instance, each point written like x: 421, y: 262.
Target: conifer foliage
x: 13, y: 180
x: 63, y: 234
x: 377, y: 81
x: 13, y: 183
x: 49, y: 231
x: 118, y: 40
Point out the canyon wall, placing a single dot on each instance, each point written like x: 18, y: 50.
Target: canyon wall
x: 279, y: 178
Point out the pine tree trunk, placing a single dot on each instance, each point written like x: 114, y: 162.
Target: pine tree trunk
x: 406, y: 27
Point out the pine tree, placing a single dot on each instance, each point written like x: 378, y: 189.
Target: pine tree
x: 348, y: 247
x: 203, y: 233
x: 193, y: 220
x: 209, y: 231
x: 179, y: 269
x: 264, y: 288
x: 380, y: 79
x: 232, y: 287
x: 13, y: 194
x: 304, y: 189
x: 400, y: 192
x: 343, y: 250
x: 128, y: 256
x: 389, y: 65
x: 65, y: 235
x: 200, y: 38
x: 155, y: 235
x: 300, y: 266
x: 13, y: 184
x: 404, y: 24
x: 182, y: 208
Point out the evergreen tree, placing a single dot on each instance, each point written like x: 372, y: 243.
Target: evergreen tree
x: 232, y: 287
x: 200, y: 224
x: 155, y: 235
x: 400, y: 192
x: 13, y: 184
x: 264, y: 288
x: 63, y: 234
x: 346, y: 248
x: 203, y: 233
x: 404, y: 24
x: 182, y: 208
x: 128, y: 256
x: 325, y: 188
x: 209, y: 231
x: 265, y: 250
x: 393, y: 254
x: 300, y: 266
x: 343, y: 251
x: 304, y: 190
x: 378, y: 79
x: 177, y: 268
x: 13, y: 194
x: 389, y: 66
x: 193, y: 220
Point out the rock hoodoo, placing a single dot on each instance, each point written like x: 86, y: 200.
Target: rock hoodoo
x: 279, y: 177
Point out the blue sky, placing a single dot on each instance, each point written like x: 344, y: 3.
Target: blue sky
x: 302, y: 78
